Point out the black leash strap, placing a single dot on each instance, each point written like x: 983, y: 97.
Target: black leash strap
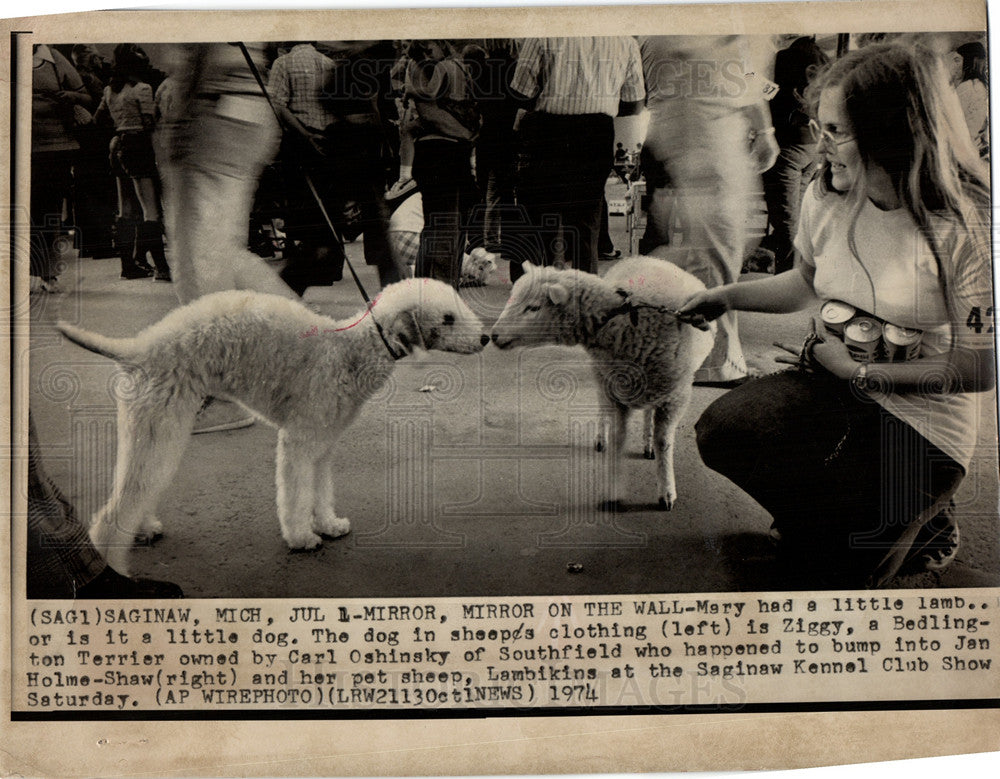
x: 631, y: 307
x: 322, y: 207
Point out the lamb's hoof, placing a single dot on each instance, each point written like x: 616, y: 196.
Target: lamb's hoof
x: 649, y: 454
x: 332, y: 527
x: 665, y: 504
x: 611, y: 506
x: 599, y: 445
x: 303, y: 542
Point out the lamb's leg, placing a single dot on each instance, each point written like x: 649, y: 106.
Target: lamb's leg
x: 296, y: 477
x: 151, y: 443
x: 666, y: 419
x: 325, y: 519
x: 616, y: 417
x: 649, y: 436
x: 610, y: 411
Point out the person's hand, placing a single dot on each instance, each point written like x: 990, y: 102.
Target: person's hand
x: 69, y: 97
x: 819, y: 350
x: 703, y: 307
x: 834, y: 355
x: 764, y: 149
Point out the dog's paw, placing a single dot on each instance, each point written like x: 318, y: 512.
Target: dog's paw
x: 649, y: 454
x: 667, y: 502
x: 599, y: 445
x: 303, y: 541
x: 332, y: 526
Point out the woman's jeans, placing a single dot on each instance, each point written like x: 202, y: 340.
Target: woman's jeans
x: 847, y: 483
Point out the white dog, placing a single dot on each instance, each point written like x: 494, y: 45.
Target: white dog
x: 644, y: 357
x: 477, y: 266
x: 304, y: 373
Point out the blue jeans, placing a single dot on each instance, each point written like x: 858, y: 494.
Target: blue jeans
x: 847, y: 483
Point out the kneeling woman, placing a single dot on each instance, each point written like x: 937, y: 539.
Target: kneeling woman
x: 857, y: 461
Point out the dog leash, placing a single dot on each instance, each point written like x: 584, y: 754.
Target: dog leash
x: 630, y: 307
x: 319, y: 201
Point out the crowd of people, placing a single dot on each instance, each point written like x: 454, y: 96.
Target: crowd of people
x: 873, y: 174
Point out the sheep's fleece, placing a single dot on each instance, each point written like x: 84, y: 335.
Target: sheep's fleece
x: 644, y: 357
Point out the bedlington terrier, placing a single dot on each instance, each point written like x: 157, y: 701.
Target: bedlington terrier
x: 303, y: 373
x: 644, y: 357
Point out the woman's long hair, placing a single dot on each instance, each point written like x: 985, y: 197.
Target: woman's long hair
x: 908, y: 122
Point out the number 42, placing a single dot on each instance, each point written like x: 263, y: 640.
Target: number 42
x: 975, y: 320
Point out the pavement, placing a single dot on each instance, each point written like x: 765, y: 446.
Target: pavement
x: 465, y: 475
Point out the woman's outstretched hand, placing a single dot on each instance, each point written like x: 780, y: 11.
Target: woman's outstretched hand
x: 702, y: 308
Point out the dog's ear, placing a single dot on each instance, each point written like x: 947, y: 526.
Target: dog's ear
x: 403, y: 333
x: 527, y: 267
x: 557, y: 293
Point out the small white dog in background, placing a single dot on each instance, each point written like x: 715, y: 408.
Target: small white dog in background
x: 405, y: 226
x: 302, y: 372
x: 477, y: 266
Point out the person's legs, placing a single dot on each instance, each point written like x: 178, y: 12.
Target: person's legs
x: 50, y: 185
x: 565, y: 164
x: 210, y: 183
x: 588, y: 147
x: 659, y: 204
x: 360, y: 175
x: 707, y: 159
x: 605, y: 246
x: 441, y: 170
x: 61, y: 560
x: 784, y: 185
x: 847, y: 484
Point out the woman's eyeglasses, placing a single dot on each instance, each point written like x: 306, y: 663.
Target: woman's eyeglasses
x: 819, y: 135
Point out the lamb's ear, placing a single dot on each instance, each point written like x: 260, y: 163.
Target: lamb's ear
x: 557, y: 293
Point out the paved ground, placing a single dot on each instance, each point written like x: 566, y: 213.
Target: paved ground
x: 487, y: 484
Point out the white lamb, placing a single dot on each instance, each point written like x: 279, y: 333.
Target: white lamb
x: 644, y: 357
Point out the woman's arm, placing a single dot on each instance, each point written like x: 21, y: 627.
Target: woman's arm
x: 961, y: 369
x: 781, y: 294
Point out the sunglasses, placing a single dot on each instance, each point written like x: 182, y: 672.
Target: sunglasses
x: 833, y: 139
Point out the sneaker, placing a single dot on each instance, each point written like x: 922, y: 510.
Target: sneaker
x: 936, y: 544
x: 400, y: 188
x: 218, y: 415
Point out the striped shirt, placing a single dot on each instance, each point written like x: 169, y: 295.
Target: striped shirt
x: 580, y: 75
x: 298, y: 81
x: 717, y: 69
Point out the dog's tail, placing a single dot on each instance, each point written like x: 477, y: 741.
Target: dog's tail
x: 114, y: 348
